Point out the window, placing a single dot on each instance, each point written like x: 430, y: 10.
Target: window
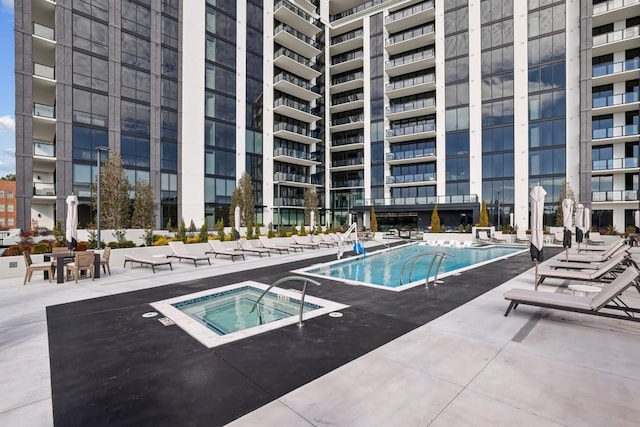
x: 169, y: 63
x: 456, y: 45
x: 220, y: 24
x: 9, y: 194
x: 10, y: 222
x: 97, y: 8
x: 169, y: 94
x: 90, y: 35
x: 9, y: 207
x: 1, y: 194
x: 136, y: 51
x: 169, y: 32
x: 90, y: 108
x: 136, y: 18
x: 457, y: 119
x: 169, y: 127
x: 220, y: 107
x: 497, y: 34
x: 224, y: 80
x: 135, y: 84
x: 90, y: 71
x: 602, y: 183
x: 2, y: 208
x: 135, y: 151
x: 1, y: 222
x: 220, y: 51
x: 168, y: 155
x: 135, y: 117
x: 456, y: 20
x: 85, y: 141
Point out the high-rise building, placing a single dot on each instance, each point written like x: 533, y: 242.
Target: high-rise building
x: 400, y: 105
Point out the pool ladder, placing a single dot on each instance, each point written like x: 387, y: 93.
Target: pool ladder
x: 413, y: 261
x: 305, y: 280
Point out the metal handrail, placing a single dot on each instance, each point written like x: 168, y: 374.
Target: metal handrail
x: 305, y: 280
x: 413, y: 261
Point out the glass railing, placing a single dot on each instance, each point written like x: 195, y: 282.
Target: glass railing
x: 621, y: 98
x: 615, y: 67
x: 295, y: 9
x: 347, y: 36
x: 346, y: 57
x: 281, y: 151
x: 418, y: 177
x: 408, y: 35
x: 359, y: 139
x: 614, y: 132
x: 295, y: 129
x: 407, y: 130
x: 291, y: 177
x: 414, y: 105
x: 287, y: 102
x: 44, y: 149
x: 418, y: 80
x: 347, y: 78
x: 615, y: 36
x: 288, y: 201
x: 355, y: 9
x: 348, y: 183
x: 43, y: 110
x: 407, y: 59
x: 349, y: 119
x: 44, y: 31
x: 297, y: 34
x: 349, y: 98
x: 614, y: 196
x: 348, y: 162
x: 296, y: 81
x: 427, y: 200
x: 44, y: 189
x: 296, y: 57
x: 612, y: 5
x: 408, y: 11
x: 45, y: 71
x: 411, y: 154
x: 621, y: 163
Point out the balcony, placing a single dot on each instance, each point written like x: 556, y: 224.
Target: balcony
x: 418, y: 84
x: 616, y: 41
x: 292, y: 179
x: 294, y: 132
x: 342, y: 124
x: 295, y: 86
x: 44, y: 32
x: 348, y: 164
x: 419, y: 107
x: 411, y: 180
x: 347, y: 144
x: 614, y: 10
x: 410, y: 63
x: 349, y: 183
x: 615, y: 132
x: 44, y: 189
x: 294, y: 16
x: 615, y: 103
x: 297, y: 64
x: 411, y: 39
x: 355, y: 9
x: 349, y: 102
x: 288, y: 202
x: 408, y: 133
x: 411, y: 156
x: 346, y: 42
x: 288, y: 155
x: 44, y: 149
x: 614, y: 196
x: 410, y: 16
x: 44, y: 71
x: 294, y: 109
x: 612, y: 164
x: 44, y: 111
x: 613, y: 72
x: 347, y: 82
x: 293, y: 39
x: 428, y: 200
x: 346, y: 61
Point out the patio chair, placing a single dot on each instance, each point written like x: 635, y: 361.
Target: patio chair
x: 83, y: 261
x: 31, y: 267
x: 217, y: 248
x: 104, y: 261
x: 151, y: 262
x: 297, y: 240
x: 267, y: 244
x: 483, y: 236
x: 181, y: 252
x: 498, y: 237
x: 321, y: 242
x: 610, y: 298
x: 558, y: 237
x: 618, y: 247
x: 521, y: 236
x: 606, y: 272
x: 327, y: 239
x: 595, y: 238
x: 245, y: 246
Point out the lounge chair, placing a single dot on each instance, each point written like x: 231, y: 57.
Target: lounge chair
x: 521, y: 236
x: 181, y: 252
x: 558, y: 237
x: 217, y: 248
x: 617, y: 248
x: 31, y: 267
x: 324, y: 238
x: 467, y: 244
x: 151, y: 262
x: 595, y: 239
x: 245, y: 246
x: 320, y: 242
x: 606, y: 272
x: 498, y: 237
x: 267, y: 244
x: 598, y: 248
x: 609, y: 298
x: 483, y: 236
x: 297, y: 240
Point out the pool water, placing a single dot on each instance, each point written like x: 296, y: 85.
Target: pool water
x: 230, y: 311
x: 392, y: 268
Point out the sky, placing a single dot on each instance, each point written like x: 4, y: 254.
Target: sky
x: 7, y: 90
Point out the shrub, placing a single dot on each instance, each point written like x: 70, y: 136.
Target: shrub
x: 270, y: 233
x: 41, y: 248
x: 161, y: 241
x: 120, y: 236
x: 82, y: 246
x: 113, y: 245
x: 220, y: 229
x: 303, y: 231
x: 148, y: 237
x: 58, y: 234
x: 16, y: 250
x: 194, y: 239
x: 257, y: 232
x: 294, y: 230
x: 203, y: 236
x: 250, y: 231
x: 181, y: 234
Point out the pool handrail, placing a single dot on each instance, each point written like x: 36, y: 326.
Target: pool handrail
x: 413, y: 260
x: 303, y: 279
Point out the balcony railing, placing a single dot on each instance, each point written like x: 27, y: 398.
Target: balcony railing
x: 349, y: 98
x: 418, y: 177
x: 408, y: 35
x: 295, y: 9
x: 347, y: 141
x: 621, y: 163
x: 347, y: 78
x: 407, y: 130
x: 297, y: 34
x: 612, y: 5
x: 43, y: 149
x: 349, y: 119
x: 288, y: 102
x: 291, y: 177
x: 427, y: 200
x: 296, y: 81
x: 410, y: 154
x: 414, y: 105
x: 43, y: 110
x: 615, y: 132
x: 408, y: 11
x: 281, y: 151
x: 295, y: 129
x: 45, y: 71
x: 296, y: 57
x: 44, y: 189
x: 615, y: 67
x: 348, y: 162
x: 618, y: 99
x: 288, y: 201
x: 400, y: 84
x: 347, y: 36
x: 614, y: 196
x: 346, y: 57
x: 348, y: 183
x: 44, y: 31
x: 616, y: 36
x: 355, y: 9
x: 418, y: 56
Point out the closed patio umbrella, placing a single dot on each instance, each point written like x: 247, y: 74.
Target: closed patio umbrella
x: 236, y: 222
x: 587, y: 222
x: 567, y: 218
x: 636, y: 220
x: 537, y: 216
x: 579, y: 223
x: 71, y: 234
x: 312, y: 221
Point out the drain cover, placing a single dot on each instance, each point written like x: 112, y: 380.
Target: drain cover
x: 150, y: 314
x: 166, y: 321
x: 335, y: 314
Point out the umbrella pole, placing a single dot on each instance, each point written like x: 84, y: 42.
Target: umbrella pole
x: 566, y: 253
x: 536, y: 279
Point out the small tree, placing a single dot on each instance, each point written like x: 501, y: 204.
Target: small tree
x: 270, y: 233
x: 374, y: 220
x: 115, y: 203
x: 483, y: 221
x: 143, y: 212
x: 236, y: 200
x: 566, y: 193
x: 203, y: 236
x: 303, y: 231
x: 435, y: 220
x: 248, y: 206
x: 250, y: 231
x: 220, y: 229
x: 257, y: 231
x: 59, y: 235
x: 169, y: 226
x: 181, y: 234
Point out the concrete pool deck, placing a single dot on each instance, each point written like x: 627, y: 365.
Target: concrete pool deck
x: 470, y: 366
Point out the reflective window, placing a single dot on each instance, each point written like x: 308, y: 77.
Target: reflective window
x: 220, y: 107
x: 220, y: 51
x: 169, y: 125
x: 135, y: 117
x: 169, y: 63
x: 97, y: 8
x: 135, y: 151
x: 169, y: 94
x: 135, y: 51
x: 168, y: 155
x: 220, y: 24
x: 170, y: 32
x: 135, y: 84
x: 86, y: 140
x: 90, y: 108
x: 136, y: 18
x: 90, y: 71
x: 90, y: 35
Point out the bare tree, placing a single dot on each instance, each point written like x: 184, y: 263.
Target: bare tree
x: 115, y: 203
x: 311, y: 203
x: 248, y: 203
x: 236, y: 200
x: 144, y: 215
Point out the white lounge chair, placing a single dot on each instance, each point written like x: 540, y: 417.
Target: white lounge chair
x: 268, y: 244
x: 595, y: 238
x: 151, y: 262
x: 217, y: 248
x: 605, y: 272
x: 521, y: 236
x: 245, y: 246
x: 499, y: 237
x: 181, y: 252
x: 483, y: 236
x: 297, y: 240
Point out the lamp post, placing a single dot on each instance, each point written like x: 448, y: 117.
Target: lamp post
x: 99, y: 150
x: 498, y: 210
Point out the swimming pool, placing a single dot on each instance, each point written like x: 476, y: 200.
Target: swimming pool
x: 383, y: 269
x: 218, y: 316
